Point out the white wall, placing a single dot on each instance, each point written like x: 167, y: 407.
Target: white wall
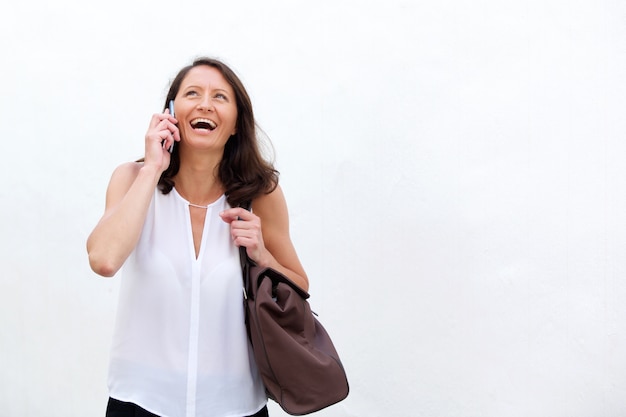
x: 453, y: 169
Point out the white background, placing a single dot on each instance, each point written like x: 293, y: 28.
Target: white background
x: 454, y: 172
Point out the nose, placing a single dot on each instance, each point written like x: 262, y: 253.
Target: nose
x: 205, y: 104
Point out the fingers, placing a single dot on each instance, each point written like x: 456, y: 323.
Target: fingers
x: 165, y: 134
x: 245, y: 228
x: 245, y: 239
x: 163, y: 130
x: 237, y: 213
x: 159, y: 117
x: 170, y: 126
x: 243, y: 235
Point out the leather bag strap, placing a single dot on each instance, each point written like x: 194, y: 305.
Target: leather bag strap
x: 244, y: 259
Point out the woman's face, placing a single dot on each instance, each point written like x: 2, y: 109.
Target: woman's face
x: 206, y: 109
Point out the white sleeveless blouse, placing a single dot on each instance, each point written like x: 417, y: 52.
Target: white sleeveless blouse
x: 180, y: 347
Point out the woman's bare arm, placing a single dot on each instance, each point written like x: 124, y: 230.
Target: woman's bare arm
x: 128, y: 197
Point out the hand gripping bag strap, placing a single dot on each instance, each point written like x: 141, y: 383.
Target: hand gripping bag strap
x: 295, y: 356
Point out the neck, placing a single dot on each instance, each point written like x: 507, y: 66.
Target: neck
x: 197, y: 182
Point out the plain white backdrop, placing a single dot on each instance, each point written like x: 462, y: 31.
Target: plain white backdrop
x: 454, y: 172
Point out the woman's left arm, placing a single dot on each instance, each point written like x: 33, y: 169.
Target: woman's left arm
x: 265, y: 234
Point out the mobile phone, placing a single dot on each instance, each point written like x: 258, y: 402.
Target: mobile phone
x: 171, y: 107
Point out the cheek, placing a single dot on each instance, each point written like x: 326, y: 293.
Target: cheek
x: 183, y: 130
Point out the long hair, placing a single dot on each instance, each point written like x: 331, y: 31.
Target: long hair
x: 243, y: 171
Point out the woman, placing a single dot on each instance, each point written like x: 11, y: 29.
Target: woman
x: 173, y: 220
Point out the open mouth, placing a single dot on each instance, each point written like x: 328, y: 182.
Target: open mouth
x: 204, y: 124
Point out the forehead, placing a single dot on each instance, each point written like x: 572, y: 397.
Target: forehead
x: 206, y: 76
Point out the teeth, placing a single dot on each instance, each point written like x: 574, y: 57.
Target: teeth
x: 212, y: 125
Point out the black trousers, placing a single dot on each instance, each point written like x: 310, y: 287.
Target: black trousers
x: 117, y: 408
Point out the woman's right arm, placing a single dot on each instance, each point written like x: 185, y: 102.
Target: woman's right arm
x: 128, y: 198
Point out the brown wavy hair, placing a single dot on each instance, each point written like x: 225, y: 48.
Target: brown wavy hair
x: 243, y: 171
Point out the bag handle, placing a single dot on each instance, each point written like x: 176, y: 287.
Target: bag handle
x: 244, y: 259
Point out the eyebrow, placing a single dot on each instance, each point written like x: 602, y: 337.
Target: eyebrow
x: 212, y: 89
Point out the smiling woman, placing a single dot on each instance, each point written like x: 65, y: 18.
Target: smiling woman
x: 173, y: 222
x: 206, y: 110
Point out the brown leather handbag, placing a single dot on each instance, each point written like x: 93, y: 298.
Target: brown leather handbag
x: 295, y: 356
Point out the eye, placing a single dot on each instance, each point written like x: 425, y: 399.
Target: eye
x: 221, y: 96
x: 191, y: 93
